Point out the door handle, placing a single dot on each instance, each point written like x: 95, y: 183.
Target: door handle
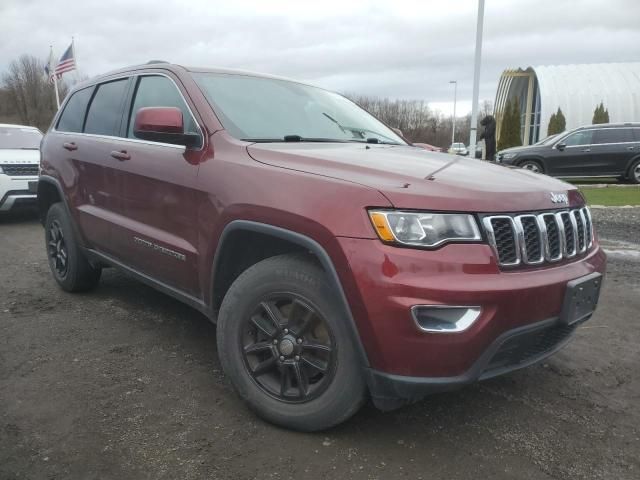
x: 71, y: 146
x: 630, y: 148
x: 120, y: 155
x: 586, y: 150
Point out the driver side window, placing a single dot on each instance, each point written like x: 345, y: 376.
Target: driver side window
x: 159, y: 91
x: 579, y: 138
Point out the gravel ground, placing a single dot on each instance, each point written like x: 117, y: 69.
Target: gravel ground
x: 124, y: 382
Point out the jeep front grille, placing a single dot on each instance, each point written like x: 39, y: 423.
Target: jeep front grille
x: 20, y: 169
x: 536, y: 238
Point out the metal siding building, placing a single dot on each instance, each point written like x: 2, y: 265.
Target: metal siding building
x: 576, y: 89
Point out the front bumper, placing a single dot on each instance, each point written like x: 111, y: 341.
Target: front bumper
x: 407, y: 362
x: 514, y: 349
x: 15, y: 192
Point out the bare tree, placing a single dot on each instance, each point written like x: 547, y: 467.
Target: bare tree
x: 30, y: 97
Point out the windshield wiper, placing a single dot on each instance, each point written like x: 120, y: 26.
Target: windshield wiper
x: 295, y: 138
x: 344, y: 129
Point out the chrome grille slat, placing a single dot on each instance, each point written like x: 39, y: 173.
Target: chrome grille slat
x: 535, y: 238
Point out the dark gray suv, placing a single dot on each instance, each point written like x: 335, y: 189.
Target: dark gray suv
x: 606, y: 150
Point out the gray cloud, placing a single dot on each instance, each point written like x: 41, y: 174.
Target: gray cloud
x: 406, y: 49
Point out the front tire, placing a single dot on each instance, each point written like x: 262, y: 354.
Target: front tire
x: 634, y: 172
x: 283, y: 341
x: 69, y: 266
x: 532, y: 165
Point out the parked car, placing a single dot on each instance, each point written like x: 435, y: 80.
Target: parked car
x: 19, y: 164
x: 338, y: 261
x: 605, y: 150
x: 426, y: 146
x: 458, y: 149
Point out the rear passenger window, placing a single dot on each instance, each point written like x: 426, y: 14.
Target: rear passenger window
x: 157, y: 91
x: 73, y: 115
x: 613, y: 135
x: 105, y: 111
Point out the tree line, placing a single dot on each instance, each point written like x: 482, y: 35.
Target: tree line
x: 27, y: 98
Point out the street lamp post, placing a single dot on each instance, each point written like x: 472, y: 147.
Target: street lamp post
x: 476, y: 79
x: 453, y: 120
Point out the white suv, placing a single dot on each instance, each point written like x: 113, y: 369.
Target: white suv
x: 19, y: 166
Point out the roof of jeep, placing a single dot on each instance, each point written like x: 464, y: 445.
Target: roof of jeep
x: 173, y: 67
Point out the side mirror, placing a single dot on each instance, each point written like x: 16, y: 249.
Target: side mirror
x: 163, y: 124
x: 561, y: 146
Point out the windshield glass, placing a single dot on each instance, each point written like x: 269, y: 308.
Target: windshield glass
x: 19, y: 138
x: 547, y: 140
x: 265, y: 109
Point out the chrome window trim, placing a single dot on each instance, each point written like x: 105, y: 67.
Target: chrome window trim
x: 492, y: 238
x: 124, y: 139
x: 594, y: 130
x: 148, y: 142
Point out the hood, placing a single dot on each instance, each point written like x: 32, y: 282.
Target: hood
x: 10, y: 155
x: 413, y: 178
x: 524, y: 148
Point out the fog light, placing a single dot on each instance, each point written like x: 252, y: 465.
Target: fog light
x: 444, y: 318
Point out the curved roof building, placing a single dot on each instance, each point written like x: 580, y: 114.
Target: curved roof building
x: 576, y: 89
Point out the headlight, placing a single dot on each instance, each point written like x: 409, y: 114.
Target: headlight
x: 1, y: 171
x: 424, y: 229
x: 507, y: 156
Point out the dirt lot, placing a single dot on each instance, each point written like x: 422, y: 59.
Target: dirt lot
x: 124, y: 382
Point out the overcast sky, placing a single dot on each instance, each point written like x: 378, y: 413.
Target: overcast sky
x: 396, y: 48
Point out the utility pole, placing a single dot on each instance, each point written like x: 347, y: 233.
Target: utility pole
x: 476, y: 79
x: 453, y: 120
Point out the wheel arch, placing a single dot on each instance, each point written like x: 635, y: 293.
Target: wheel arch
x: 537, y: 159
x: 627, y: 170
x: 262, y: 241
x: 49, y: 192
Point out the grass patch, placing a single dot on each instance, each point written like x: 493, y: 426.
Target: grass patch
x: 612, y: 196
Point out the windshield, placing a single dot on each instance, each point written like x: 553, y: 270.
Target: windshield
x: 548, y: 140
x: 19, y: 138
x: 270, y: 110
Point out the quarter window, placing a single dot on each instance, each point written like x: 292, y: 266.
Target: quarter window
x: 158, y: 91
x: 613, y: 135
x: 72, y: 117
x: 105, y: 111
x: 582, y: 137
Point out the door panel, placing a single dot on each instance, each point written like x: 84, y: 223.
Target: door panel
x: 612, y: 150
x: 156, y: 233
x: 575, y: 159
x: 156, y: 230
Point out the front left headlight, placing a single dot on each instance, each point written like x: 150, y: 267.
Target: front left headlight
x: 508, y: 156
x: 424, y: 229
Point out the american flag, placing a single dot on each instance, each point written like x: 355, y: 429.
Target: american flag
x: 66, y: 63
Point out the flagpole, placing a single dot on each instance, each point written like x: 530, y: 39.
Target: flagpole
x: 55, y: 80
x: 55, y: 85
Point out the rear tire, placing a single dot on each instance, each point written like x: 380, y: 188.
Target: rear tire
x: 532, y: 165
x: 283, y: 341
x: 634, y: 172
x: 69, y: 266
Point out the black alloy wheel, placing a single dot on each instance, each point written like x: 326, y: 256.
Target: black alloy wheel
x: 288, y: 348
x: 57, y: 249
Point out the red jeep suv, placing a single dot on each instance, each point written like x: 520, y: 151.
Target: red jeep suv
x: 338, y: 261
